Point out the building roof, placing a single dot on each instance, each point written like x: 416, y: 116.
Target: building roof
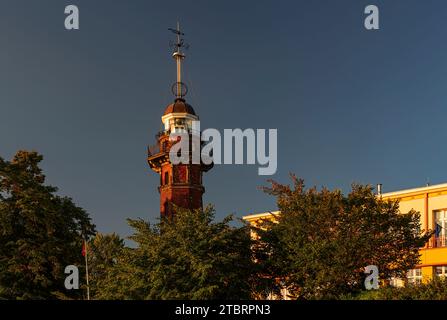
x: 257, y: 216
x: 414, y: 191
x: 179, y: 106
x: 436, y: 189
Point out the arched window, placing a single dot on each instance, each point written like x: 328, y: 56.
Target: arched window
x: 166, y: 208
x: 166, y: 177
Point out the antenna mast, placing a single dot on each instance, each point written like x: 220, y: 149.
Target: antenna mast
x: 179, y: 89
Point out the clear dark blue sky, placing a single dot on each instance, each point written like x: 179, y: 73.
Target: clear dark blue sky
x: 349, y: 104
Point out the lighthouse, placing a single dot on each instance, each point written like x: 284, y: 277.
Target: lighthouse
x: 181, y: 184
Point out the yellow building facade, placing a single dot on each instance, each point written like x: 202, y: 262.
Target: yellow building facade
x: 431, y: 203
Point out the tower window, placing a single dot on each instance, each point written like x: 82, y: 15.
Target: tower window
x: 166, y: 177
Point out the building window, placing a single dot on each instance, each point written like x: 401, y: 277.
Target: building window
x: 440, y: 228
x: 166, y: 208
x: 414, y: 276
x: 166, y: 177
x: 396, y: 282
x: 441, y: 271
x: 178, y: 125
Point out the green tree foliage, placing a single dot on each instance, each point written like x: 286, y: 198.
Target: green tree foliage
x: 40, y: 232
x: 436, y: 289
x: 103, y: 253
x: 186, y: 257
x: 322, y: 241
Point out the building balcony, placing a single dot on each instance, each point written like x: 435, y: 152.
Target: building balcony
x: 153, y: 150
x: 437, y: 242
x: 162, y: 133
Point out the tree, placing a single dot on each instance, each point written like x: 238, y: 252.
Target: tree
x: 320, y: 244
x: 186, y: 257
x: 435, y: 289
x: 104, y: 250
x: 40, y: 232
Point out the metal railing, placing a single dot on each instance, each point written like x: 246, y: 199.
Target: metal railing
x: 437, y: 242
x: 157, y: 148
x: 152, y: 150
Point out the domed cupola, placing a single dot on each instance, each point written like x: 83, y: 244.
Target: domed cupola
x: 178, y: 117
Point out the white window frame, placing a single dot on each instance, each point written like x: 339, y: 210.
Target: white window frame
x: 440, y: 217
x: 414, y: 276
x: 443, y: 271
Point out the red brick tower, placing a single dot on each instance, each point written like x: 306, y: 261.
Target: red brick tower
x: 180, y: 184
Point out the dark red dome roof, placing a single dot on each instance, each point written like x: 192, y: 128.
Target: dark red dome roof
x: 179, y: 106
